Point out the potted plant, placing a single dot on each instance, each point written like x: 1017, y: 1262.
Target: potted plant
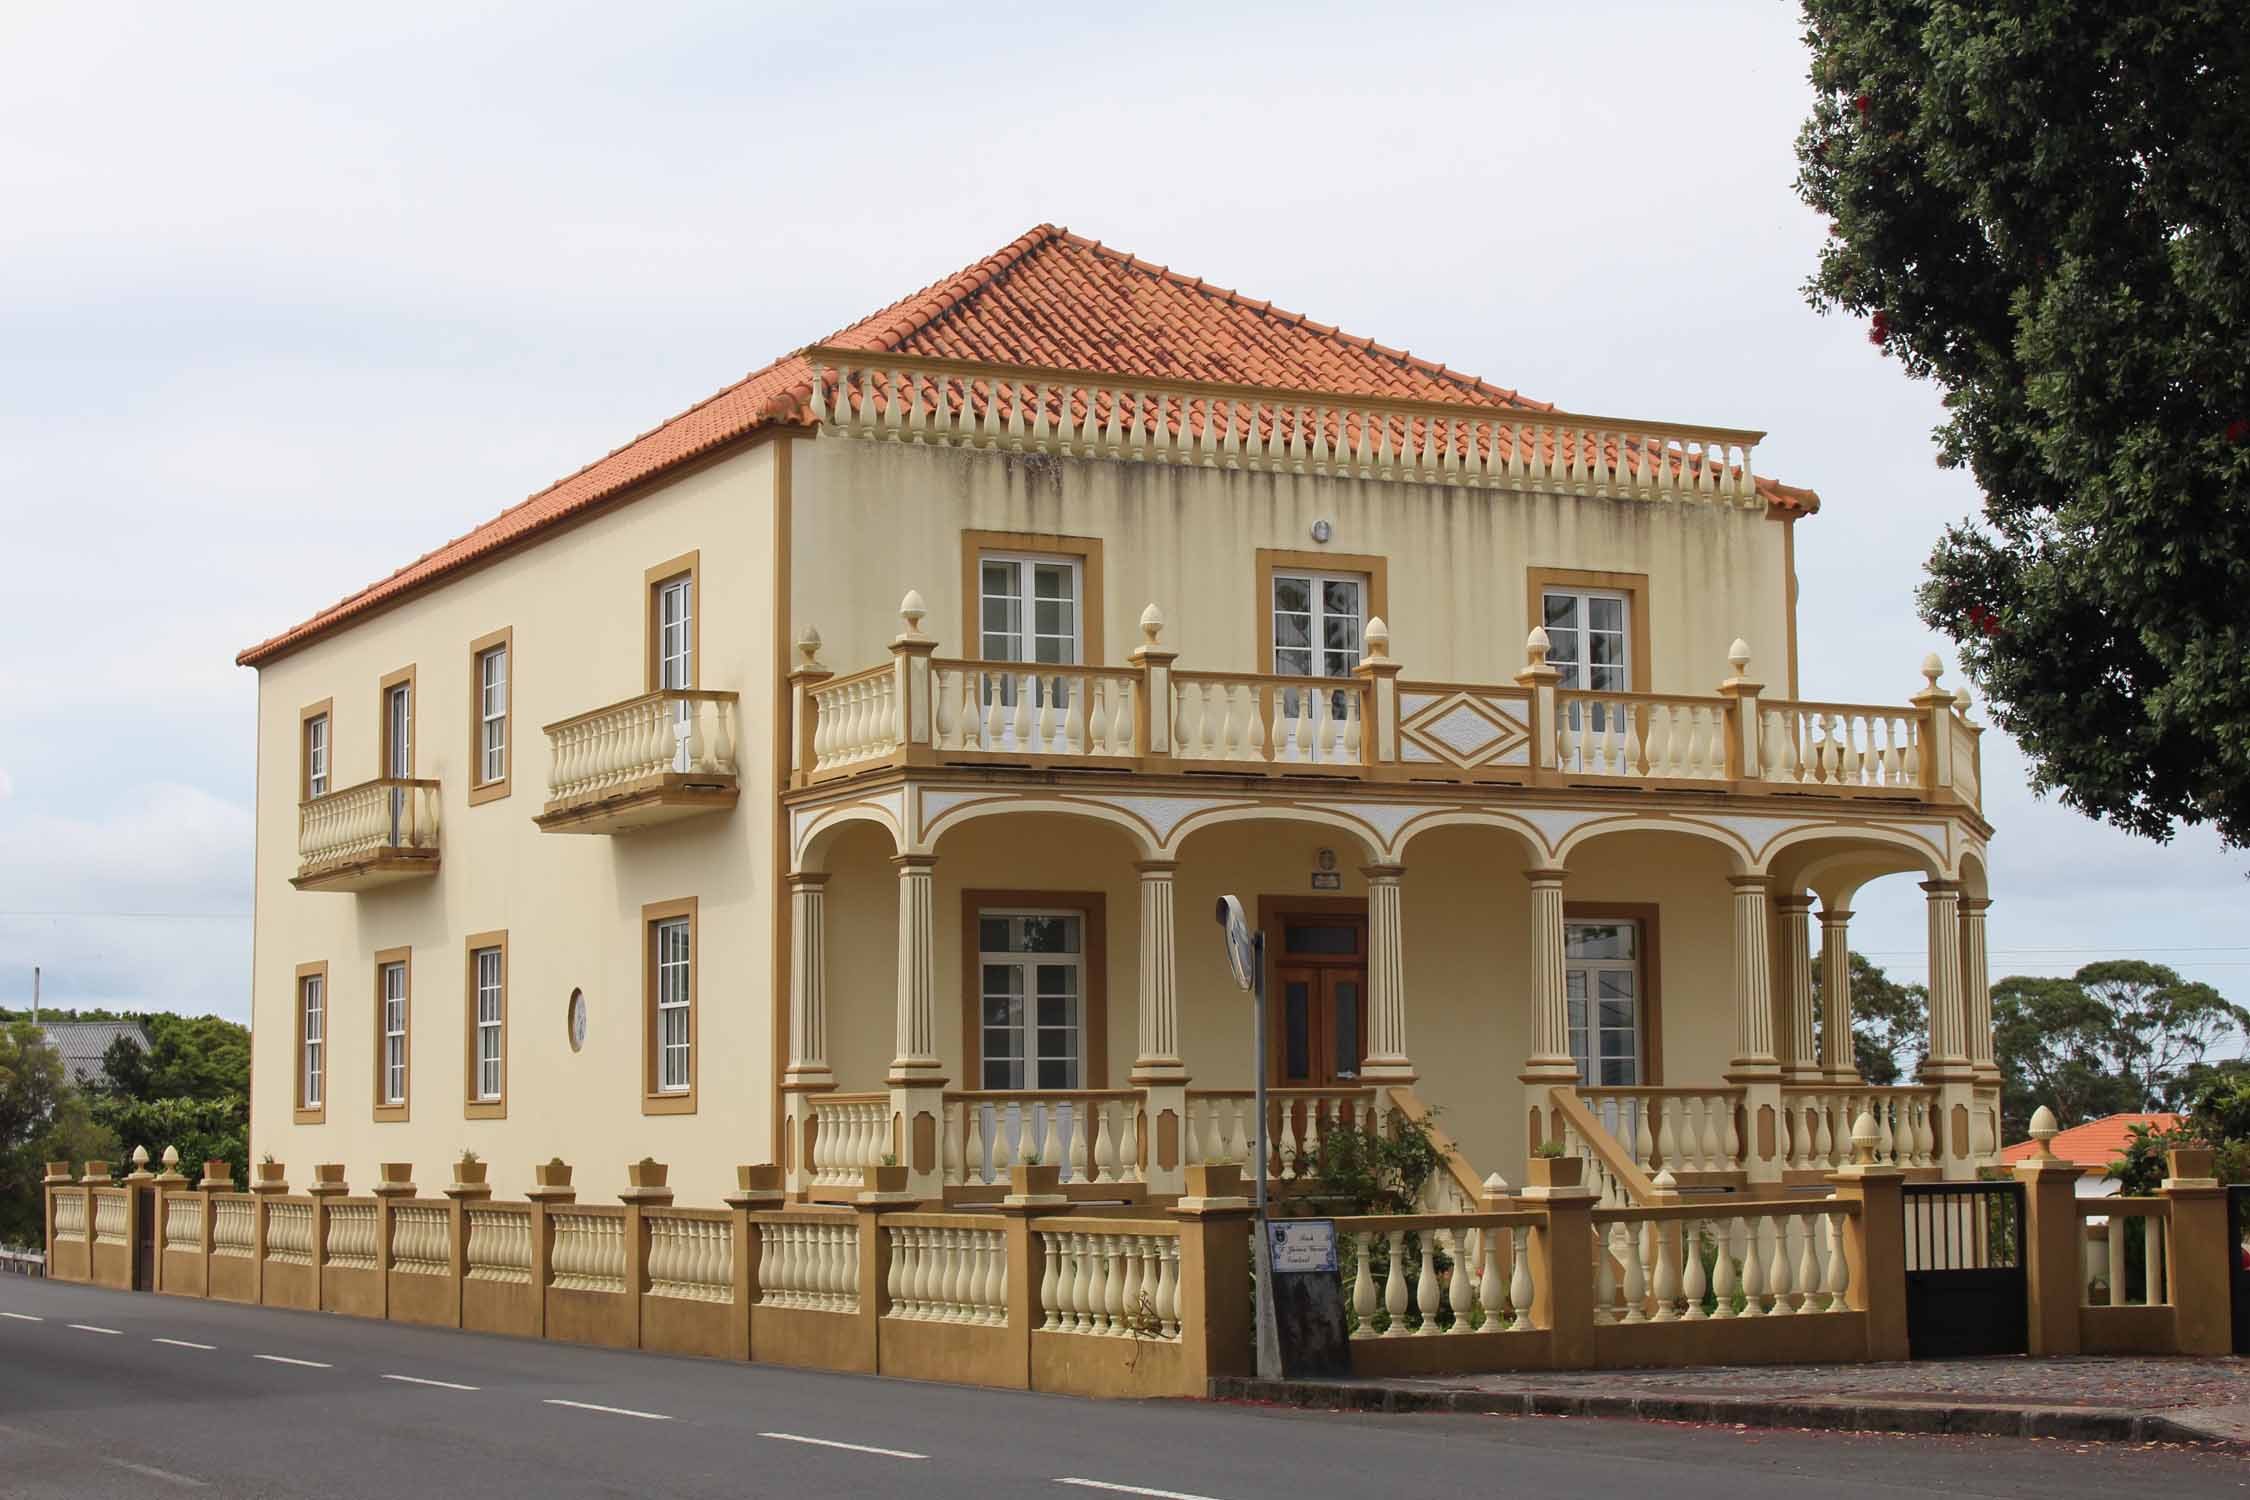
x: 890, y: 1177
x: 552, y: 1173
x: 329, y: 1174
x: 469, y: 1170
x: 58, y: 1171
x: 270, y: 1170
x: 1029, y: 1179
x: 1550, y: 1167
x: 217, y: 1169
x: 648, y: 1172
x: 98, y: 1170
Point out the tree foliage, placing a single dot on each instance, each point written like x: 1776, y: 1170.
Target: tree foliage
x: 1890, y: 1022
x: 2119, y: 1036
x: 2044, y: 207
x: 190, y: 1088
x: 42, y: 1119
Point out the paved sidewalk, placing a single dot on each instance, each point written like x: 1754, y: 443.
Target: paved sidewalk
x: 2101, y: 1400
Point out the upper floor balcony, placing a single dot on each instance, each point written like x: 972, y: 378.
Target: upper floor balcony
x: 657, y: 758
x: 1376, y: 725
x: 368, y: 835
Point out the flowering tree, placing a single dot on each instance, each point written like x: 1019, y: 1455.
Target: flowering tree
x: 2044, y: 207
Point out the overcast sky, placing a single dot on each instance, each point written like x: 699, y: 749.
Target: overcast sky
x: 290, y: 294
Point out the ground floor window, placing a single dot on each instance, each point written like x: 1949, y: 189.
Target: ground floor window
x: 1602, y: 980
x: 1032, y: 975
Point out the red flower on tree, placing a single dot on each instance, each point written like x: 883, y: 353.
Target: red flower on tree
x: 1860, y: 103
x: 1879, y: 328
x: 2238, y: 430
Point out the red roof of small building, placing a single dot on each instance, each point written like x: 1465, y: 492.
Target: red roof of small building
x: 1050, y: 299
x: 2095, y: 1144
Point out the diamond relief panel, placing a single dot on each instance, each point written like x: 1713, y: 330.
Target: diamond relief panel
x: 1466, y: 731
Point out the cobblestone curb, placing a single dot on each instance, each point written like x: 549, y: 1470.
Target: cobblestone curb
x: 2093, y: 1424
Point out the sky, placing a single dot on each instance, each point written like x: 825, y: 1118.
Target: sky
x: 290, y: 294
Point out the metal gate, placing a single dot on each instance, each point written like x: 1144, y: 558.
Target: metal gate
x: 2238, y: 1263
x: 1965, y: 1287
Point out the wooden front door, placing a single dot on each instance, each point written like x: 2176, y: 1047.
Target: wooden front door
x: 1317, y: 1004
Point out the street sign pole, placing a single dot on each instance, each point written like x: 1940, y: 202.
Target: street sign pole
x: 1246, y: 954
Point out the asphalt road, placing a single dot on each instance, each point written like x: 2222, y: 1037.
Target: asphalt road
x: 117, y: 1394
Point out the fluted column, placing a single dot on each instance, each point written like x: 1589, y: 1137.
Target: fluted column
x: 916, y: 1056
x: 1387, y: 1062
x: 1837, y: 1055
x: 1159, y: 1056
x: 808, y: 981
x: 1976, y: 990
x: 1793, y: 1018
x: 1946, y: 1051
x: 1753, y: 978
x: 1550, y: 1062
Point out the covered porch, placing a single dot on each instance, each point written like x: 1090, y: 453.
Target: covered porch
x: 990, y: 968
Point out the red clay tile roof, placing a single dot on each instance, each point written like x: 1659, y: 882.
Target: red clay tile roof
x: 2094, y: 1144
x: 1050, y: 299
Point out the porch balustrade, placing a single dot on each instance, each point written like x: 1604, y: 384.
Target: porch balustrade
x: 1222, y: 1127
x: 1687, y: 1262
x: 851, y: 1133
x: 651, y: 759
x: 1093, y: 1135
x: 1681, y: 1130
x: 920, y: 709
x: 1816, y: 1122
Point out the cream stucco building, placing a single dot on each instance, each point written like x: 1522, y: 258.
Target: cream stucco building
x: 847, y: 770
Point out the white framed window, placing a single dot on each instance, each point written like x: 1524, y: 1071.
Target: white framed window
x: 492, y: 715
x: 675, y: 991
x: 394, y: 1033
x: 312, y: 1004
x: 1602, y: 986
x: 675, y: 632
x: 1032, y: 969
x: 316, y: 756
x: 1028, y: 608
x: 1318, y: 623
x: 1589, y: 638
x: 491, y: 975
x: 398, y: 734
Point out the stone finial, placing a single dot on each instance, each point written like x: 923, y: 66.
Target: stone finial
x: 1932, y: 670
x: 1962, y: 702
x: 1152, y: 623
x: 1496, y: 1186
x: 140, y: 1158
x: 911, y: 609
x: 808, y: 647
x: 1378, y: 640
x: 171, y: 1158
x: 2044, y: 1129
x: 1738, y: 656
x: 1536, y: 645
x: 1664, y: 1181
x: 1864, y: 1137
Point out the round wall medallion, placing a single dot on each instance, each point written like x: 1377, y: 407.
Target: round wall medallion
x: 577, y: 1019
x: 1322, y: 531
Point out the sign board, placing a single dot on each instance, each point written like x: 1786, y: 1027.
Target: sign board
x: 1242, y: 954
x: 1303, y: 1245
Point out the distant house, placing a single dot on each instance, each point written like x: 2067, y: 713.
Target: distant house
x: 82, y: 1045
x: 2093, y: 1146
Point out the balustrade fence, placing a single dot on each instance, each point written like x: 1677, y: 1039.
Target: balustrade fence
x: 921, y: 709
x: 1043, y: 1293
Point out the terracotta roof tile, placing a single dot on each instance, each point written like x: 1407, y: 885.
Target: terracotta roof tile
x: 2094, y: 1144
x: 1049, y: 299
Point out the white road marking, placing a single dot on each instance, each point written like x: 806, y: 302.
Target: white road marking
x: 792, y: 1437
x: 442, y: 1384
x: 1132, y: 1489
x: 615, y: 1411
x: 22, y: 1317
x: 283, y: 1359
x: 155, y: 1473
x: 90, y: 1328
x: 183, y: 1344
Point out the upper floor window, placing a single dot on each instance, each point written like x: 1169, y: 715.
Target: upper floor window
x: 1602, y: 989
x: 1028, y: 608
x: 314, y: 751
x: 1033, y: 981
x: 1589, y: 638
x: 491, y: 668
x: 398, y: 725
x: 1318, y: 619
x: 675, y: 632
x: 312, y: 1040
x: 393, y: 1013
x: 489, y: 971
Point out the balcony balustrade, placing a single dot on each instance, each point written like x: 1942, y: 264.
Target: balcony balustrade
x: 653, y: 759
x: 920, y: 709
x: 366, y: 836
